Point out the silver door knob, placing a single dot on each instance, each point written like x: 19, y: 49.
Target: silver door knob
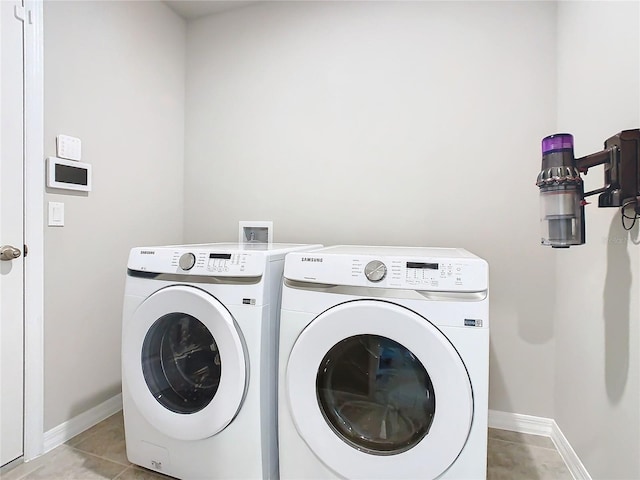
x: 7, y: 252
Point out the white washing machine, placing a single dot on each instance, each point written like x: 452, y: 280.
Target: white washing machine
x: 199, y: 359
x: 384, y: 360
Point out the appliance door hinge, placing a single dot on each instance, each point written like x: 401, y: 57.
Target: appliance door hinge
x: 25, y: 251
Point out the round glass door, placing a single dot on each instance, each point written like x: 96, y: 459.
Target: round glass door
x: 184, y: 363
x: 375, y: 394
x: 374, y: 389
x: 181, y: 363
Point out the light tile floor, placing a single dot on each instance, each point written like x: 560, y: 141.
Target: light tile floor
x: 516, y: 456
x: 99, y: 453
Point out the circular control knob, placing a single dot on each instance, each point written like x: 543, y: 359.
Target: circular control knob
x: 187, y: 261
x: 375, y: 271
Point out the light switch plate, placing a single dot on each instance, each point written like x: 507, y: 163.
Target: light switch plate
x: 56, y: 214
x: 69, y: 147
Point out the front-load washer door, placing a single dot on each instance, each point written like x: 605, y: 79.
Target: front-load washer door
x: 184, y: 362
x: 377, y: 391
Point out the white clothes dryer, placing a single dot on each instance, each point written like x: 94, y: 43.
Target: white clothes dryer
x: 199, y: 359
x: 384, y: 359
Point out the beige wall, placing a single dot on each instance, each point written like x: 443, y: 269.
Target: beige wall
x: 402, y: 123
x: 114, y: 77
x: 413, y: 123
x: 597, y: 395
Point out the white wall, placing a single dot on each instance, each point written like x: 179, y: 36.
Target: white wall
x: 114, y: 76
x: 597, y: 399
x: 402, y: 123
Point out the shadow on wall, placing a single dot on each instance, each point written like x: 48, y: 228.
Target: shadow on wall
x: 536, y: 291
x: 616, y: 309
x: 496, y: 377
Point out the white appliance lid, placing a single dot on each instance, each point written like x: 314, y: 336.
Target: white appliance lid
x: 240, y: 247
x: 393, y: 251
x: 413, y: 268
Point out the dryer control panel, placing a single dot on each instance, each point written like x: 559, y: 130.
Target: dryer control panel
x: 445, y: 270
x: 424, y: 275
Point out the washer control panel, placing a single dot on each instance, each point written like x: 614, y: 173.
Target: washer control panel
x: 463, y: 273
x: 197, y: 261
x: 226, y: 262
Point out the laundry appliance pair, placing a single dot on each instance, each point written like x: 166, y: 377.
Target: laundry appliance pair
x: 383, y: 362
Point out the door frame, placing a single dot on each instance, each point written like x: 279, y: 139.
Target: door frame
x: 33, y: 229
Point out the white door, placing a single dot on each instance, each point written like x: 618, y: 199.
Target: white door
x: 377, y: 391
x: 11, y: 234
x: 184, y: 363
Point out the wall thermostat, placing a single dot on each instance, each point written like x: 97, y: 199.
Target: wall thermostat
x: 68, y: 174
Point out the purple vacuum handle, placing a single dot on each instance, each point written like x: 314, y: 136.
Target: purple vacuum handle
x: 559, y: 141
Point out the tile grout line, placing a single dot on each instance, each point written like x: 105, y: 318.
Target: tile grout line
x: 101, y: 458
x: 68, y: 443
x: 21, y: 477
x: 28, y: 471
x: 99, y: 431
x: 121, y: 473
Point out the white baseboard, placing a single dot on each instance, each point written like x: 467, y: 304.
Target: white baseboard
x: 541, y: 426
x: 78, y: 424
x: 517, y: 422
x: 569, y: 456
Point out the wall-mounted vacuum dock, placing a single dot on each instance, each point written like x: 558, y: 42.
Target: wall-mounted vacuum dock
x: 562, y: 194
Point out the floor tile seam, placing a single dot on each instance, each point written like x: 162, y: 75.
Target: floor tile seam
x: 24, y: 475
x: 100, y: 457
x: 39, y: 462
x: 130, y: 467
x: 100, y: 431
x: 552, y: 449
x: 71, y: 443
x: 88, y: 436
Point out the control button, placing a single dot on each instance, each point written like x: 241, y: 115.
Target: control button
x: 187, y: 261
x: 375, y: 271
